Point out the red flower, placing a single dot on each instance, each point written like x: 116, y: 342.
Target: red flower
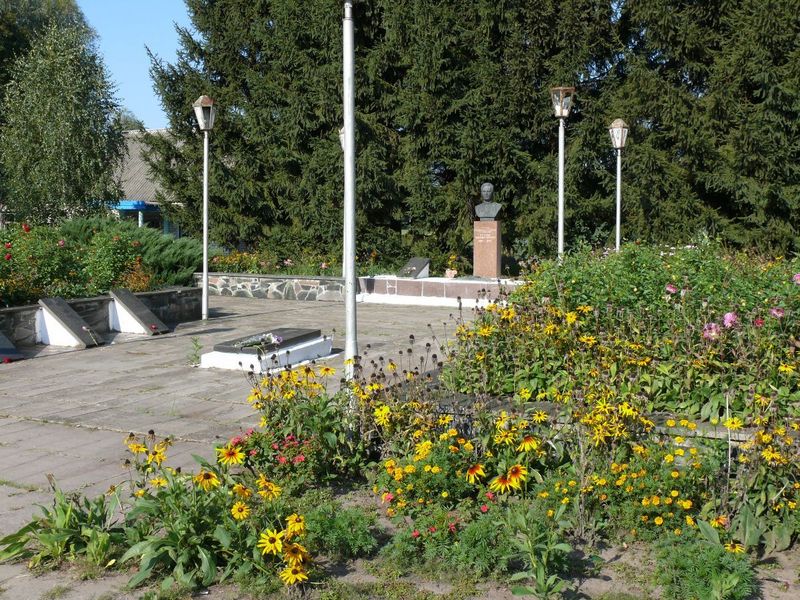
x: 758, y: 322
x: 490, y: 495
x: 6, y: 360
x: 8, y: 256
x: 415, y: 534
x: 432, y: 529
x: 26, y: 228
x: 452, y: 527
x: 282, y: 459
x: 298, y: 459
x: 8, y: 245
x: 484, y: 508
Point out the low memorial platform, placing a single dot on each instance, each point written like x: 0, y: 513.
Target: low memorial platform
x: 269, y: 350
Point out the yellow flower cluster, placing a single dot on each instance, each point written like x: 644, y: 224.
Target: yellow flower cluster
x: 288, y: 385
x: 295, y: 556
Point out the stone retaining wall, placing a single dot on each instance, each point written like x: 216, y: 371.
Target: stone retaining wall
x: 172, y: 306
x: 331, y: 289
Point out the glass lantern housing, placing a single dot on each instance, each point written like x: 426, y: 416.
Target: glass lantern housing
x: 562, y: 100
x: 619, y: 133
x: 205, y: 111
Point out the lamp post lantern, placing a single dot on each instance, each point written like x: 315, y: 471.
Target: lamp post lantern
x: 619, y: 135
x: 205, y: 111
x: 562, y: 102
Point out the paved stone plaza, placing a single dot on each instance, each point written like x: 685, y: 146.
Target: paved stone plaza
x: 67, y: 412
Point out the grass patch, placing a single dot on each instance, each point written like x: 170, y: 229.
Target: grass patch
x: 392, y: 590
x: 54, y: 593
x: 19, y: 486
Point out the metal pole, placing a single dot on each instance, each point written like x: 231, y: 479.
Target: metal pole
x: 561, y: 130
x: 349, y: 258
x: 619, y: 194
x: 205, y: 226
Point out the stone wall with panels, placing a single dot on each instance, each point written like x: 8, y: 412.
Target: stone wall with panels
x: 172, y: 306
x: 331, y: 289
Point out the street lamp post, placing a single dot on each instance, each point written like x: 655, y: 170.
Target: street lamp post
x: 348, y: 139
x: 205, y: 111
x: 619, y: 134
x: 562, y: 102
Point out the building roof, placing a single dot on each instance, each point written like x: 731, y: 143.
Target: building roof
x: 137, y: 181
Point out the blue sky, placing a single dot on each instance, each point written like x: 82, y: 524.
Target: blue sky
x: 124, y: 28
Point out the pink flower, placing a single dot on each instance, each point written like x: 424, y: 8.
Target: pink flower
x: 711, y: 331
x: 415, y: 534
x: 432, y: 529
x: 452, y: 527
x: 274, y: 446
x: 8, y: 245
x: 777, y: 312
x: 298, y: 459
x: 60, y: 243
x: 758, y: 322
x: 484, y: 508
x: 796, y: 278
x: 249, y: 432
x: 490, y: 495
x: 671, y: 289
x: 282, y: 459
x: 236, y: 441
x: 730, y: 319
x: 253, y: 452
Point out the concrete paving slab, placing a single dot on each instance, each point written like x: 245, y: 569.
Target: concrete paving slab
x: 67, y: 412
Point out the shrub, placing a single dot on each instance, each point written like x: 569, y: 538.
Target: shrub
x: 341, y: 533
x: 85, y: 257
x: 706, y: 572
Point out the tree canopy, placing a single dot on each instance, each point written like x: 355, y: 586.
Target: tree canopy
x: 449, y: 95
x: 22, y: 20
x: 60, y: 142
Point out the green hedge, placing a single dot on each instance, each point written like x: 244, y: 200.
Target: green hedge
x: 85, y: 257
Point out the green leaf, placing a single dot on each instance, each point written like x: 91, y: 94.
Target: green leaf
x: 522, y: 591
x: 708, y: 532
x: 207, y: 566
x: 139, y: 549
x: 223, y: 536
x: 330, y: 438
x: 201, y: 461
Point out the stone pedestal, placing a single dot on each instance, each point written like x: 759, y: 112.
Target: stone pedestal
x: 486, y: 253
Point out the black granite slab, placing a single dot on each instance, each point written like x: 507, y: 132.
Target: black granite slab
x: 72, y: 321
x: 417, y: 268
x: 7, y: 350
x: 289, y: 336
x: 143, y: 315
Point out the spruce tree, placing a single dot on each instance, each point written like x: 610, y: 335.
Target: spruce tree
x: 274, y: 68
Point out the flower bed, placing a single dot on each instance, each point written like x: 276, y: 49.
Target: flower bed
x: 558, y: 452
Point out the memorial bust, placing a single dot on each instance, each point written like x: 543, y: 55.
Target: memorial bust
x: 487, y: 210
